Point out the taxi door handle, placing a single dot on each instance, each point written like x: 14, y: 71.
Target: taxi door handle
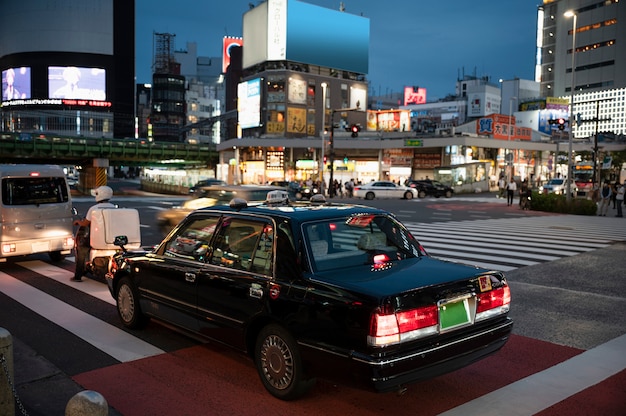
x: 190, y: 277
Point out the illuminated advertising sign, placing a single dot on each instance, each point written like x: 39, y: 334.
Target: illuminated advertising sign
x: 358, y: 98
x: 389, y: 120
x: 414, y: 95
x: 16, y: 84
x: 249, y: 103
x: 228, y: 44
x: 278, y: 30
x: 502, y: 127
x: 76, y: 83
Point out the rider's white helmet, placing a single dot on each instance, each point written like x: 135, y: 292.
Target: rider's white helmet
x: 102, y: 193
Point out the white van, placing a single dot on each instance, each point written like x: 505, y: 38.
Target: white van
x: 35, y: 211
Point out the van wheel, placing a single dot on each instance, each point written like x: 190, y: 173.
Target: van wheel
x: 56, y: 256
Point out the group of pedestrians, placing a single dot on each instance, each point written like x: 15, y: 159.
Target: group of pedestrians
x: 511, y: 188
x: 609, y: 194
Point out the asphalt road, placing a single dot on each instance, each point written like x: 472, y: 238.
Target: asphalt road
x: 567, y: 355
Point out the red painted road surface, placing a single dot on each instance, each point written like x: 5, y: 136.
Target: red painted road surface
x: 211, y: 380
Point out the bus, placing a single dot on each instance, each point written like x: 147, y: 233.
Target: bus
x: 583, y: 177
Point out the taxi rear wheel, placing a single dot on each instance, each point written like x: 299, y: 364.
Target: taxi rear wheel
x: 279, y: 364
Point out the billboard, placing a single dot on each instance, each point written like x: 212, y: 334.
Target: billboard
x: 414, y: 95
x: 227, y: 45
x: 292, y: 30
x: 76, y: 83
x: 249, y: 103
x: 16, y: 84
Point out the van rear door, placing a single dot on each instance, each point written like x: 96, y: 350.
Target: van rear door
x: 36, y: 207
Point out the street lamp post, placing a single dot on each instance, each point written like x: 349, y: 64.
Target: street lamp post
x: 571, y: 13
x: 509, y: 137
x: 331, y: 147
x: 324, y: 86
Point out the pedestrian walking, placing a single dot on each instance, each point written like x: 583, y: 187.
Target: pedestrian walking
x: 501, y: 187
x: 619, y: 198
x: 605, y: 199
x: 510, y: 192
x: 523, y: 192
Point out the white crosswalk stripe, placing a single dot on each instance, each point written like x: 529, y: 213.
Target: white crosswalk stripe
x: 109, y: 339
x: 509, y: 243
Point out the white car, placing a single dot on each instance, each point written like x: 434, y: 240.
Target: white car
x: 557, y: 186
x: 384, y: 189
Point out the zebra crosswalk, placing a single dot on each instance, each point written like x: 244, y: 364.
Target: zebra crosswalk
x: 510, y: 243
x: 500, y: 244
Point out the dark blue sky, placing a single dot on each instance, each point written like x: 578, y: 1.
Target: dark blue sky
x: 424, y: 43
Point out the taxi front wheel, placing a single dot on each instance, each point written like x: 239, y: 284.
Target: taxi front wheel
x: 128, y: 307
x: 279, y: 364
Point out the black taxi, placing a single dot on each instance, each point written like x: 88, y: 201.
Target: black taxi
x: 316, y: 290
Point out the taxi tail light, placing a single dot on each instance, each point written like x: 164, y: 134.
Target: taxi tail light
x: 492, y: 303
x: 389, y: 327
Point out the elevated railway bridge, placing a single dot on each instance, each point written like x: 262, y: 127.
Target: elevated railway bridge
x: 95, y: 155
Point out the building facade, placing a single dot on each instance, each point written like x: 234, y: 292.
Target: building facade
x: 78, y: 80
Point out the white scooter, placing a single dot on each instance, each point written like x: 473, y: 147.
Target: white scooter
x: 96, y: 242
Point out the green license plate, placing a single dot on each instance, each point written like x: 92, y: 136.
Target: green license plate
x: 454, y: 314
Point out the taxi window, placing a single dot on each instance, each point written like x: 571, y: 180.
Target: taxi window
x: 358, y: 240
x: 245, y: 245
x: 192, y: 241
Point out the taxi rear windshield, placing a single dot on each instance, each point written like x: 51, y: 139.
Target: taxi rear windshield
x: 359, y: 240
x: 35, y: 190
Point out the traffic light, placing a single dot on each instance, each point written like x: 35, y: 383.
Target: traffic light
x: 355, y: 130
x: 561, y: 123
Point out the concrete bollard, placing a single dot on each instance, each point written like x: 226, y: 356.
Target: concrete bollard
x: 87, y: 403
x: 7, y: 401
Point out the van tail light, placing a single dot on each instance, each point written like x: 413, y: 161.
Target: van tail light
x: 69, y: 242
x: 389, y: 327
x: 492, y: 303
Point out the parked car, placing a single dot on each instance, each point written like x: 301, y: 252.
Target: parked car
x: 206, y: 182
x: 383, y: 189
x: 209, y: 196
x: 312, y: 289
x: 429, y: 187
x: 558, y: 186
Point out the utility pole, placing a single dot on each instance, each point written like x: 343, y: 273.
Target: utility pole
x: 597, y: 120
x: 331, y: 158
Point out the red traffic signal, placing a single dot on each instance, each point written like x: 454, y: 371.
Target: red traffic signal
x: 561, y: 123
x: 355, y: 130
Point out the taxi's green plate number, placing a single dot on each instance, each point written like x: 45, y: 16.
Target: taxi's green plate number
x: 454, y: 314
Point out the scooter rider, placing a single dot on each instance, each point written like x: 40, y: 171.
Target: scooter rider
x: 103, y: 194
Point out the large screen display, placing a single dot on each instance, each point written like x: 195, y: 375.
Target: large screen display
x: 77, y: 82
x: 249, y: 103
x: 283, y: 29
x: 16, y: 83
